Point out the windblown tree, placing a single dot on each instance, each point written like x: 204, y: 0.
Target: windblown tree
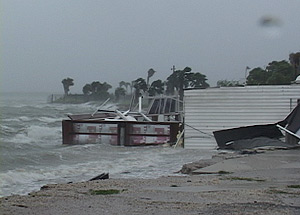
x: 276, y: 73
x: 294, y: 61
x: 98, y: 90
x: 226, y: 83
x: 139, y: 85
x: 67, y: 83
x: 124, y: 84
x: 127, y: 85
x: 87, y: 89
x: 181, y: 79
x: 150, y: 74
x: 197, y: 80
x: 156, y: 88
x: 120, y: 93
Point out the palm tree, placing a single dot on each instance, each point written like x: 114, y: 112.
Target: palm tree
x: 67, y: 82
x: 178, y: 80
x: 197, y: 80
x: 139, y: 85
x: 150, y: 74
x: 181, y: 79
x: 156, y: 88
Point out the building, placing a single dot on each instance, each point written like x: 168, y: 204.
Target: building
x: 208, y: 110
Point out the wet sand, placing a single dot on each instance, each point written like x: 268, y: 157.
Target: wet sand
x: 262, y: 183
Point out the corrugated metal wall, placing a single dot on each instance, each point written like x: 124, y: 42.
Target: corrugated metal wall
x: 208, y: 110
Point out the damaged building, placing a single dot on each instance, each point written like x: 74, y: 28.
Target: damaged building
x: 254, y: 110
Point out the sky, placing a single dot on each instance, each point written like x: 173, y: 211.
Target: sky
x: 43, y: 42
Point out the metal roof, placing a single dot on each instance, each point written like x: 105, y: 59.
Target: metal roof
x: 208, y: 110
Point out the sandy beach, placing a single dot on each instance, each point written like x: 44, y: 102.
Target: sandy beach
x: 261, y: 183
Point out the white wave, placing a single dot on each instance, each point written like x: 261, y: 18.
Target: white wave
x: 141, y: 163
x: 44, y: 119
x: 11, y: 120
x: 23, y: 181
x: 18, y: 119
x: 25, y: 118
x: 49, y: 119
x: 20, y: 181
x: 7, y: 129
x: 94, y: 106
x: 35, y: 133
x: 40, y: 132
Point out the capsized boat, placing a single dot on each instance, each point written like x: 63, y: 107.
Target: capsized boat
x: 160, y: 124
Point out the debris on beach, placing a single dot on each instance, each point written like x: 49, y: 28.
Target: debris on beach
x: 226, y: 137
x: 102, y: 176
x: 267, y: 135
x: 258, y: 142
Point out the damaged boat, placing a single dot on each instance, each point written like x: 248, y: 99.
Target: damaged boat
x: 160, y: 124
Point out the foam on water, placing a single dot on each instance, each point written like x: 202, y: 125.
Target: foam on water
x: 50, y: 119
x: 36, y: 134
x: 4, y: 130
x: 24, y: 118
x: 32, y: 153
x: 147, y: 162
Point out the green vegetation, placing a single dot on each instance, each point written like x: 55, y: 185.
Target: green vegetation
x: 275, y: 73
x: 296, y: 186
x: 225, y: 83
x: 120, y: 92
x: 106, y: 192
x: 181, y: 79
x: 224, y: 172
x: 96, y: 90
x: 67, y: 82
x: 275, y: 191
x: 245, y: 179
x: 294, y: 59
x: 156, y: 88
x: 139, y: 86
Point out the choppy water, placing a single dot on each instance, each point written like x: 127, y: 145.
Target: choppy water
x: 32, y: 153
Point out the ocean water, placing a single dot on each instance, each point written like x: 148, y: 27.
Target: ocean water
x: 32, y: 154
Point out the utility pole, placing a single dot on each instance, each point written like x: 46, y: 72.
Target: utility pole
x: 246, y: 70
x: 173, y: 68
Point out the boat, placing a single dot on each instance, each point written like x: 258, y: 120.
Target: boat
x: 159, y: 124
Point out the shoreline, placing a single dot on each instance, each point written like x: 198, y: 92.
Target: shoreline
x: 264, y: 183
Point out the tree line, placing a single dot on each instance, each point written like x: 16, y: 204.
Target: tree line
x: 176, y: 82
x: 275, y: 73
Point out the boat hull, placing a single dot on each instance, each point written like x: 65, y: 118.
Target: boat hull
x: 122, y: 133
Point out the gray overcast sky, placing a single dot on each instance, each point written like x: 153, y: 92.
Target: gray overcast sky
x: 44, y: 41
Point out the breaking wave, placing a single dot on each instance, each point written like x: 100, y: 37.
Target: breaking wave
x: 32, y: 153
